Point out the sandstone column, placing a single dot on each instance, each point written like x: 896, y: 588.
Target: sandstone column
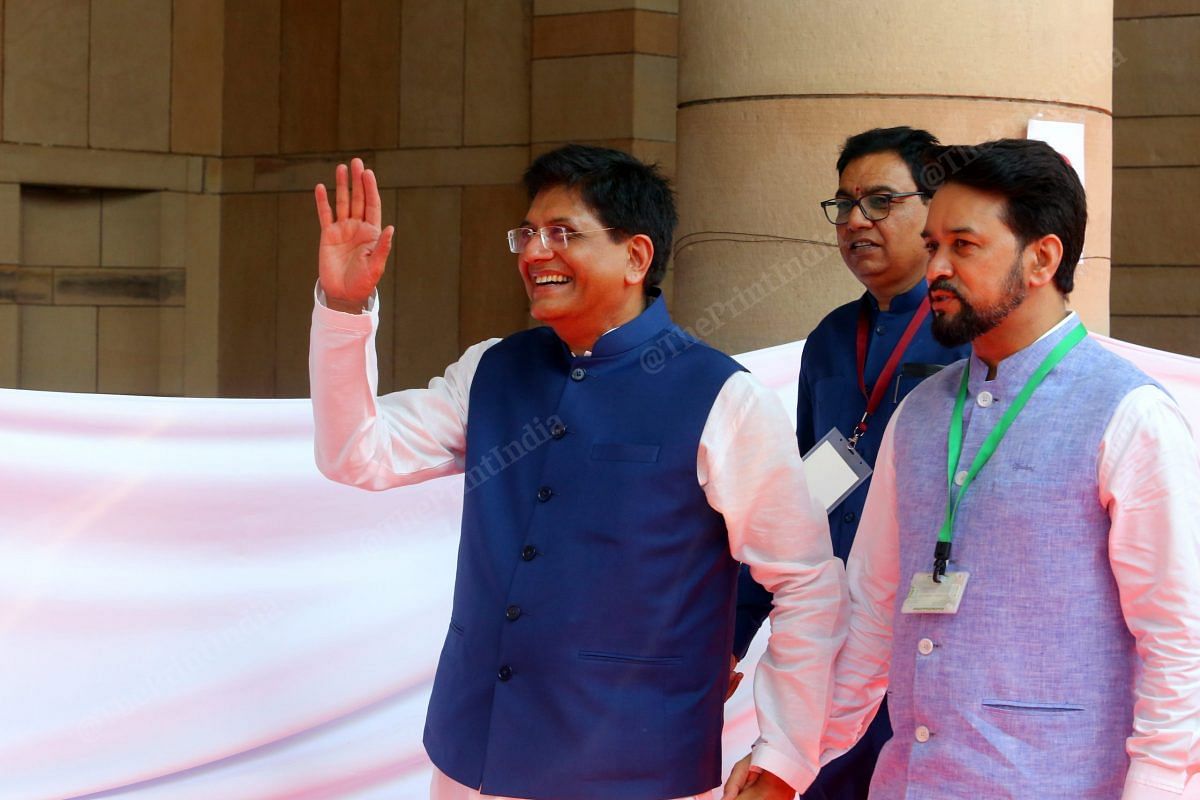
x: 769, y: 90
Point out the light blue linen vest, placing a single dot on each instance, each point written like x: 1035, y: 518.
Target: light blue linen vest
x: 1028, y: 690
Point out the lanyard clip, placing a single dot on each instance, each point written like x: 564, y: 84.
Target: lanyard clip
x: 941, y: 557
x: 859, y: 430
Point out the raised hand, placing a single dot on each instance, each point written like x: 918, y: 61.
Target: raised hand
x: 353, y: 249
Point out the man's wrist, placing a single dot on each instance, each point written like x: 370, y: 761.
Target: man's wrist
x: 346, y: 306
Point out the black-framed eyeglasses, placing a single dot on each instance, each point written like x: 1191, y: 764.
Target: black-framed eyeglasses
x: 874, y: 206
x: 554, y: 237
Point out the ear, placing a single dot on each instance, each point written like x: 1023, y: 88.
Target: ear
x: 1045, y: 254
x: 641, y: 253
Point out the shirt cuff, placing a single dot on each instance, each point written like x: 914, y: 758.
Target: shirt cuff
x: 1150, y: 782
x: 340, y: 319
x: 794, y: 774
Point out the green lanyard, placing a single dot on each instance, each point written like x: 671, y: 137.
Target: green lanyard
x: 954, y: 441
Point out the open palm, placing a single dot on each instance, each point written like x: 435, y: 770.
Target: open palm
x: 353, y: 248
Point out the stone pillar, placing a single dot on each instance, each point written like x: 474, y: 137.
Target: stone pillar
x: 769, y: 90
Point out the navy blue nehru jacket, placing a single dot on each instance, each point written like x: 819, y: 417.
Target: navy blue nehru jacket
x: 829, y: 396
x: 588, y: 650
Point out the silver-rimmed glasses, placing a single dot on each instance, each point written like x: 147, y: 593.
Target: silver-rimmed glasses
x: 554, y: 237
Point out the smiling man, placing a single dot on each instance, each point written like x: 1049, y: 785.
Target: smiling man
x: 586, y: 656
x: 863, y: 359
x: 1024, y: 579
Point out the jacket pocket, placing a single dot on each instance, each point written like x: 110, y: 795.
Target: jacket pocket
x: 623, y: 658
x: 1026, y: 707
x: 617, y: 451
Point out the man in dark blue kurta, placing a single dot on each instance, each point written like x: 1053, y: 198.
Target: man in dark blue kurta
x: 879, y: 211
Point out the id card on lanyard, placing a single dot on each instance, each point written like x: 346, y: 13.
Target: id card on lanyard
x: 833, y: 468
x: 952, y: 587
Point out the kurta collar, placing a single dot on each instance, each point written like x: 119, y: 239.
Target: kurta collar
x: 902, y: 303
x: 638, y: 330
x: 1014, y: 371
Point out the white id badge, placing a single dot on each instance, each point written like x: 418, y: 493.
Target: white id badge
x: 927, y: 597
x: 833, y: 470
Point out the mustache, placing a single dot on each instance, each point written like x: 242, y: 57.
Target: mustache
x: 943, y: 285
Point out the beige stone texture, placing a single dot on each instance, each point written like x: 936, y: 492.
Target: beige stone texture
x: 58, y: 348
x: 10, y: 223
x: 46, y: 71
x: 172, y: 213
x: 654, y: 79
x: 119, y: 287
x: 129, y: 102
x: 26, y: 285
x: 308, y: 92
x: 589, y: 97
x: 1147, y: 291
x: 249, y: 236
x: 60, y: 228
x: 492, y: 300
x: 770, y: 47
x: 298, y: 236
x: 429, y: 241
x: 1148, y: 228
x: 250, y: 108
x: 552, y: 7
x: 110, y: 169
x: 1173, y: 334
x: 369, y: 75
x: 202, y: 322
x: 197, y: 75
x: 1128, y: 9
x: 497, y: 72
x: 462, y: 166
x: 1161, y: 59
x: 131, y: 226
x: 10, y: 347
x: 762, y: 167
x: 1157, y: 141
x: 140, y: 351
x: 606, y: 32
x: 431, y: 73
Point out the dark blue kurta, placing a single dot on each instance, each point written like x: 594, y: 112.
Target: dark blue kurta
x: 829, y: 397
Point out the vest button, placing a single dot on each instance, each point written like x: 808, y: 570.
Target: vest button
x: 578, y: 374
x: 528, y: 553
x: 544, y: 494
x: 512, y: 613
x: 880, y: 330
x: 921, y: 734
x: 925, y: 647
x: 985, y: 399
x: 960, y: 478
x: 504, y: 673
x: 849, y: 517
x: 558, y: 430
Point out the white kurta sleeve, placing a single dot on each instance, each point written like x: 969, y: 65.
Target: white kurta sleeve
x: 380, y: 442
x: 752, y: 474
x: 1149, y: 479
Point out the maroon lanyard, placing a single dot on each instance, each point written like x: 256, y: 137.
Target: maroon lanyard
x: 889, y: 369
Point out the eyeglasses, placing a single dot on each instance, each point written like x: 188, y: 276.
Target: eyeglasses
x: 873, y: 206
x: 554, y: 237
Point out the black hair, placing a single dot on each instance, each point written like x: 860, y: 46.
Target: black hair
x: 913, y: 145
x: 1042, y: 192
x: 623, y: 193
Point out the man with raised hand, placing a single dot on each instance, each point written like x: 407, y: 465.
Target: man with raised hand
x: 862, y: 360
x: 1024, y: 580
x: 586, y: 656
